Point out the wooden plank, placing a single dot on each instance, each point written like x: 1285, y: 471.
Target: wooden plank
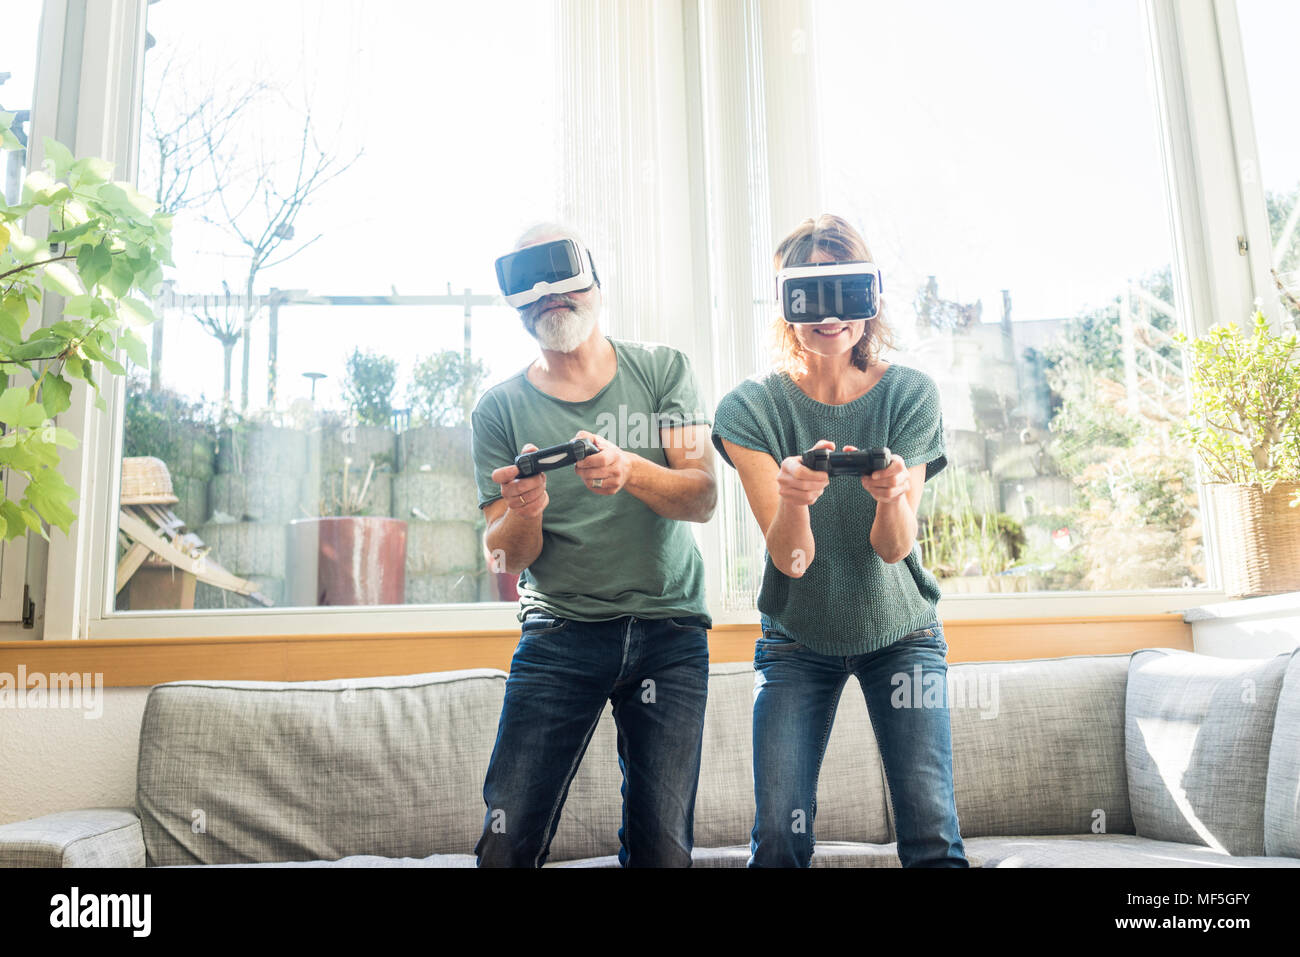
x: 126, y: 662
x: 201, y: 567
x: 130, y: 562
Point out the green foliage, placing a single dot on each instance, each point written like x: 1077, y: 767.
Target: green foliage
x: 1086, y: 428
x: 156, y: 421
x: 369, y: 390
x: 952, y: 543
x: 1129, y: 476
x: 443, y: 388
x: 956, y: 534
x: 104, y: 241
x: 1279, y: 207
x: 1244, y: 421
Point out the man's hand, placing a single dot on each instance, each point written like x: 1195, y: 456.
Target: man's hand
x: 526, y: 497
x: 606, y: 472
x: 888, y: 484
x: 799, y: 485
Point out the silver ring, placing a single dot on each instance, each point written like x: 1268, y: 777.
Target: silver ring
x: 597, y: 483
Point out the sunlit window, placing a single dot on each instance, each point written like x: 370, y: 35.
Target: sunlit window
x: 1003, y: 162
x: 1269, y: 28
x: 342, y: 178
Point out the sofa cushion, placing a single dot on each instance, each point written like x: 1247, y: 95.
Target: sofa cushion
x: 851, y: 796
x: 1282, y: 793
x: 364, y: 860
x: 253, y: 771
x: 95, y: 837
x: 1197, y: 735
x: 1106, y: 850
x: 1038, y: 746
x: 852, y: 800
x: 824, y: 854
x: 593, y: 811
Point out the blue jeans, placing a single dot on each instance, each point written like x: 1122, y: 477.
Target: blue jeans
x: 796, y: 693
x: 655, y: 672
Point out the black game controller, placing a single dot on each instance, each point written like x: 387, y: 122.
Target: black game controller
x: 863, y: 462
x: 555, y: 457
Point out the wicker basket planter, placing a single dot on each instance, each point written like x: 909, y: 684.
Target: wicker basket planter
x: 1259, y: 537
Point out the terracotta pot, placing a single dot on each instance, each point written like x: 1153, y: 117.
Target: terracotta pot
x: 346, y: 560
x: 507, y: 586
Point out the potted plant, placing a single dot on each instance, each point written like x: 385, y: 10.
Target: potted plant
x: 344, y: 556
x: 95, y: 243
x: 1244, y: 425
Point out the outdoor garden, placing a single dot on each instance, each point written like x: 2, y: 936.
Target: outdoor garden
x: 257, y: 488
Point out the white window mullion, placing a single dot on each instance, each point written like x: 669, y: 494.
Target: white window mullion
x: 1205, y: 180
x: 98, y: 102
x: 1213, y: 269
x: 1242, y: 122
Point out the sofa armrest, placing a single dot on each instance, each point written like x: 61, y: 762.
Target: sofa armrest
x: 95, y: 837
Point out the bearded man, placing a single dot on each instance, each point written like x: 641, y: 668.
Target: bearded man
x: 611, y: 582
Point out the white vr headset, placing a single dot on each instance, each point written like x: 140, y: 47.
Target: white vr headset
x: 829, y: 292
x: 546, y: 269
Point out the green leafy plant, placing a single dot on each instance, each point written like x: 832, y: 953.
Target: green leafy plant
x: 1244, y: 421
x: 958, y: 534
x: 155, y: 420
x: 443, y: 388
x: 95, y: 242
x: 952, y: 542
x: 369, y: 390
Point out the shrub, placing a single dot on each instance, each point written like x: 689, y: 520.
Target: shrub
x: 369, y: 390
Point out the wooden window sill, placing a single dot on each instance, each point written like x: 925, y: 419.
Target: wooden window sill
x: 132, y: 662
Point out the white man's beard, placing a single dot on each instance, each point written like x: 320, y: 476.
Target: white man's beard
x: 563, y: 330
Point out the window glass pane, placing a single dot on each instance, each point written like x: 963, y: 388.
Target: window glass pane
x: 1268, y: 32
x: 19, y: 26
x: 1002, y: 161
x: 342, y: 177
x: 19, y: 40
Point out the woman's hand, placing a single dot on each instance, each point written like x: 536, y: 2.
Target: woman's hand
x: 799, y: 485
x: 890, y: 483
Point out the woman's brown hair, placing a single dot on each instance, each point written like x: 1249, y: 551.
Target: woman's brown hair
x: 836, y: 238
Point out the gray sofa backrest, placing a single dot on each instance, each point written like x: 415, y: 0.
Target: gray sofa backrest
x: 1038, y: 746
x: 1282, y: 795
x: 244, y: 771
x: 1200, y: 731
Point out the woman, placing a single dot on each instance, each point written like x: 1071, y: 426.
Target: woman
x: 843, y: 588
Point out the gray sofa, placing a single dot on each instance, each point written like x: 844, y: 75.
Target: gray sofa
x: 1158, y: 759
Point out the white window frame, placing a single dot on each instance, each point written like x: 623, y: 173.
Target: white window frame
x: 1201, y: 103
x: 1259, y: 252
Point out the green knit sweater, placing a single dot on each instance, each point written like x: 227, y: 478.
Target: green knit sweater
x: 848, y: 601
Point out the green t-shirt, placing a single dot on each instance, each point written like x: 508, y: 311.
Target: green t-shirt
x: 849, y: 601
x: 603, y: 556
